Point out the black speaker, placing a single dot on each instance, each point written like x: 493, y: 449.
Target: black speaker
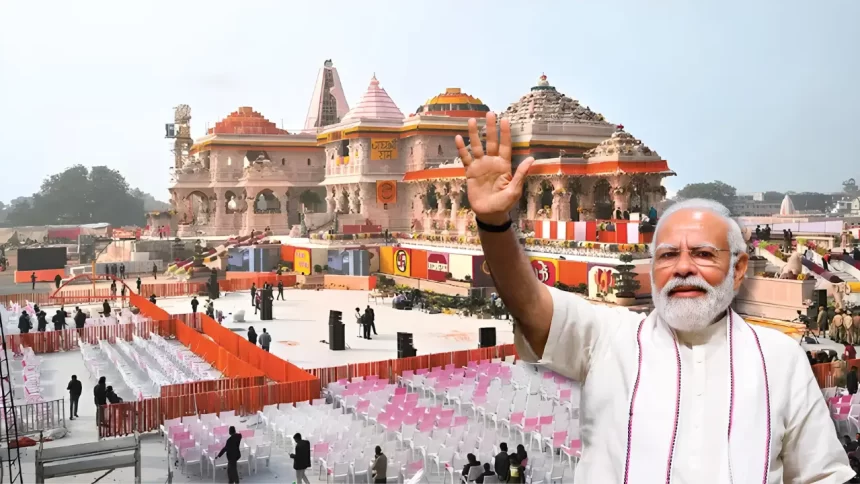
x: 406, y: 353
x: 336, y: 337
x: 404, y: 345
x: 821, y: 297
x: 335, y: 317
x: 266, y: 305
x: 486, y: 337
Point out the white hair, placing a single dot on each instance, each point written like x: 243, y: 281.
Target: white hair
x: 737, y: 244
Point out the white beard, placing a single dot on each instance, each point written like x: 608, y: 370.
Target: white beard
x: 693, y: 314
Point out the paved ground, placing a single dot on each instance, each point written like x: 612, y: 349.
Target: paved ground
x: 301, y: 322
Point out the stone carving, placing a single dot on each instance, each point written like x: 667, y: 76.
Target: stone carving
x: 793, y: 267
x: 545, y: 103
x: 354, y: 200
x: 621, y: 143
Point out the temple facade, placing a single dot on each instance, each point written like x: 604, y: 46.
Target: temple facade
x: 372, y: 167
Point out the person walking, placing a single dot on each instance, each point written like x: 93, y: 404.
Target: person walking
x: 41, y: 322
x: 33, y: 280
x: 122, y: 289
x: 258, y: 301
x: 370, y: 318
x: 379, y: 466
x: 138, y: 284
x: 301, y: 458
x: 113, y: 288
x: 59, y: 320
x: 252, y: 336
x: 233, y: 450
x: 75, y: 389
x: 254, y: 295
x: 194, y: 304
x: 280, y: 290
x: 265, y: 340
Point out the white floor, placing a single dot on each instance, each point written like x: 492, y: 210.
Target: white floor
x: 301, y: 322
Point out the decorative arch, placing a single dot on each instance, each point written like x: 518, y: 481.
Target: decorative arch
x: 196, y: 208
x: 266, y: 202
x: 574, y: 188
x: 602, y: 200
x: 545, y: 194
x: 638, y: 193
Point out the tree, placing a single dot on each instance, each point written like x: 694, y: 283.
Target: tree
x: 80, y: 196
x: 716, y: 190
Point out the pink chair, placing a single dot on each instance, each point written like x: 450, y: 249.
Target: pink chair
x: 573, y: 451
x: 529, y: 425
x: 247, y: 434
x: 461, y: 420
x: 841, y: 412
x: 450, y: 366
x: 399, y: 391
x: 422, y: 371
x: 412, y: 397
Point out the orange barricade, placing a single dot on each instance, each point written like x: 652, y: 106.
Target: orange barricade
x: 147, y: 308
x: 218, y: 356
x: 223, y: 384
x: 173, y: 289
x: 192, y: 320
x: 69, y: 339
x: 242, y: 281
x: 147, y: 415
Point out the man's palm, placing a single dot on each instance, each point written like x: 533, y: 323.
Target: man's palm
x: 493, y: 190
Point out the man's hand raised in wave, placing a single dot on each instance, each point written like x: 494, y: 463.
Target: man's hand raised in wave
x: 492, y: 189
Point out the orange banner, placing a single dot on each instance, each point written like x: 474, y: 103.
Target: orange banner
x: 386, y: 191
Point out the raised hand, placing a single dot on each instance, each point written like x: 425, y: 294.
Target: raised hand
x: 492, y: 189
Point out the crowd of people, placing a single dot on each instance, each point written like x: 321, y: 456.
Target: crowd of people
x: 25, y: 322
x: 366, y: 322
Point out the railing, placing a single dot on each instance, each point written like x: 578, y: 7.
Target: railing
x: 37, y: 417
x: 69, y: 339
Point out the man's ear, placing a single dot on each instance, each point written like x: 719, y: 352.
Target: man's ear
x: 741, y: 269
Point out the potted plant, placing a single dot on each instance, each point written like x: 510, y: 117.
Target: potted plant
x: 626, y: 284
x: 317, y: 269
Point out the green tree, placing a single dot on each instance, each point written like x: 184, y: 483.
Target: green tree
x: 716, y: 190
x: 80, y: 196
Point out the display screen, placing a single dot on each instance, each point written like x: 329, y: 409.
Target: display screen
x: 41, y: 258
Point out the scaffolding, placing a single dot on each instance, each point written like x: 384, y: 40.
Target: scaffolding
x: 12, y: 456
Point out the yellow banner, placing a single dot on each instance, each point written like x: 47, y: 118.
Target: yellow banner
x: 383, y: 149
x: 302, y: 261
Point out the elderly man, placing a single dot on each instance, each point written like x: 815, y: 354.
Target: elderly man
x: 690, y: 393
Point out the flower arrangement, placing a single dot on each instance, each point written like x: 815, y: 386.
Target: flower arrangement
x: 559, y: 191
x: 546, y: 211
x: 471, y: 227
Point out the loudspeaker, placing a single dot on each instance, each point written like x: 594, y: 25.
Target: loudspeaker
x: 404, y: 340
x: 335, y: 317
x: 487, y: 337
x: 406, y: 353
x: 336, y: 337
x: 214, y: 290
x: 821, y: 297
x: 266, y: 305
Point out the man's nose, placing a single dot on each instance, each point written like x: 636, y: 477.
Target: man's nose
x: 685, y: 266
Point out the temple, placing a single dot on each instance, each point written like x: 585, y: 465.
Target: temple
x: 373, y: 168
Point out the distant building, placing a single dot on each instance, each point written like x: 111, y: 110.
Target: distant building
x: 753, y: 205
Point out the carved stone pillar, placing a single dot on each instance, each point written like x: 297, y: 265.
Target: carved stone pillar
x: 340, y: 200
x: 442, y: 197
x: 586, y: 198
x: 354, y: 202
x: 563, y: 204
x: 330, y: 203
x: 533, y: 192
x: 363, y: 192
x: 456, y: 194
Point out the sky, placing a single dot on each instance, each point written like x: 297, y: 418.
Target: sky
x: 762, y: 95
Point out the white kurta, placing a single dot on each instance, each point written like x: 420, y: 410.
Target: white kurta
x: 597, y: 345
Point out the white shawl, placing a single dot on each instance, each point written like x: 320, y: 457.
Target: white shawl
x: 653, y: 426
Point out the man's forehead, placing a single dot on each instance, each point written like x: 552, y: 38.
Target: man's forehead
x: 693, y: 226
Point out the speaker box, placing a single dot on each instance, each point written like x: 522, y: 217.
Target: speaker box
x: 266, y: 305
x: 821, y: 297
x: 404, y: 340
x: 335, y: 316
x: 486, y: 337
x: 336, y: 338
x: 406, y: 353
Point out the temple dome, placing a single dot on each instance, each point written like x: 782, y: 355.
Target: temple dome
x: 545, y: 103
x: 375, y: 104
x: 621, y: 145
x: 787, y: 207
x: 246, y: 121
x: 453, y: 102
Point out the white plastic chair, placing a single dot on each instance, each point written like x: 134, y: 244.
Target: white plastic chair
x: 339, y: 473
x: 191, y: 456
x: 261, y: 452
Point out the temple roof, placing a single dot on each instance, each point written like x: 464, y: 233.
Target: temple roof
x: 246, y: 121
x: 545, y: 103
x: 621, y: 146
x: 375, y: 104
x: 787, y: 207
x: 453, y: 102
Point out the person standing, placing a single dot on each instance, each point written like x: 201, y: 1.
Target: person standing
x: 848, y: 328
x: 233, y: 450
x: 100, y: 398
x: 58, y: 279
x: 122, y: 271
x: 380, y: 466
x: 265, y: 340
x: 155, y: 271
x: 106, y: 310
x: 501, y: 463
x: 24, y: 323
x: 194, y: 304
x: 122, y: 289
x: 138, y: 284
x: 33, y: 281
x: 360, y: 321
x: 41, y: 322
x: 152, y: 299
x: 59, y: 320
x: 75, y: 389
x: 254, y: 295
x: 851, y: 381
x: 252, y: 336
x: 370, y: 318
x: 836, y: 330
x: 80, y: 319
x: 780, y: 429
x: 301, y: 458
x: 280, y: 290
x: 258, y: 301
x: 113, y: 288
